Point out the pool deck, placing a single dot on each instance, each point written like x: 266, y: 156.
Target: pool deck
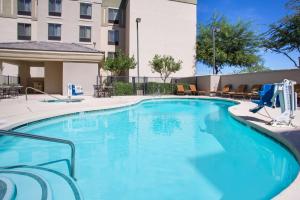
x: 18, y: 111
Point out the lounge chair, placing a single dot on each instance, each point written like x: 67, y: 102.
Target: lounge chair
x: 180, y: 90
x: 239, y: 92
x: 224, y: 91
x: 254, y: 91
x: 194, y: 91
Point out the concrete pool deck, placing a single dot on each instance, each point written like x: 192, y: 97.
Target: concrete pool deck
x: 18, y: 111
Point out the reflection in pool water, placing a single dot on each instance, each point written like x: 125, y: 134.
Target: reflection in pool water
x: 168, y: 149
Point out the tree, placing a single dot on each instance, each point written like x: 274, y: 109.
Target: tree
x: 165, y: 66
x: 119, y: 63
x: 293, y: 5
x: 236, y: 45
x: 257, y: 68
x: 283, y: 37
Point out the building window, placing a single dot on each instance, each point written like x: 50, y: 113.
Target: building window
x: 55, y: 8
x: 24, y: 31
x: 24, y: 7
x: 111, y: 55
x: 54, y: 31
x: 113, y: 16
x: 85, y: 11
x: 85, y: 33
x: 113, y: 37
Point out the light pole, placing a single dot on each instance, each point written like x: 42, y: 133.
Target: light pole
x: 138, y: 20
x: 214, y: 30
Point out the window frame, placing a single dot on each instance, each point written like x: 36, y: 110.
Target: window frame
x: 24, y: 12
x: 117, y: 21
x: 23, y: 37
x: 114, y: 42
x: 89, y: 40
x: 86, y: 16
x: 54, y: 13
x: 52, y: 37
x: 111, y: 54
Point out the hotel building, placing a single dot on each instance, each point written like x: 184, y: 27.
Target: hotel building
x: 50, y: 43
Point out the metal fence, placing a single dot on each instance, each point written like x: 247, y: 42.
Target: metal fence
x: 9, y: 80
x: 130, y: 85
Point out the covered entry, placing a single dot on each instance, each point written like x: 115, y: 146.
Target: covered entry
x: 50, y: 66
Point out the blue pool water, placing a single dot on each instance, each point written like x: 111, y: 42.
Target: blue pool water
x: 166, y: 149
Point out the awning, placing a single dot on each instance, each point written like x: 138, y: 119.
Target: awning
x: 49, y: 51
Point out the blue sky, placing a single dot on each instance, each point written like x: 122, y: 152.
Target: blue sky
x: 260, y: 12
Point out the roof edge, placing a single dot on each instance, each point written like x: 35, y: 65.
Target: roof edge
x: 194, y: 2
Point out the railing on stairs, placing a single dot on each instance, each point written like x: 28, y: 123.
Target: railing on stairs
x: 49, y: 139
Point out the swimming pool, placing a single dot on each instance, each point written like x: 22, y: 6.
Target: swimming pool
x: 160, y: 149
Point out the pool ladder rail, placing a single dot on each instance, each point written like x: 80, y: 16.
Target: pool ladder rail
x: 37, y: 90
x: 48, y: 139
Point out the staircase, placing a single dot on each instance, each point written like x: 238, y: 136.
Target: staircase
x: 37, y: 183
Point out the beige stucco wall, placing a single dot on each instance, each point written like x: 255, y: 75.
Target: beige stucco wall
x: 260, y: 78
x: 167, y: 27
x: 212, y: 82
x: 10, y: 69
x: 53, y: 77
x: 83, y: 74
x: 208, y: 83
x: 24, y: 73
x: 39, y: 20
x: 9, y: 28
x: 104, y: 39
x: 70, y: 21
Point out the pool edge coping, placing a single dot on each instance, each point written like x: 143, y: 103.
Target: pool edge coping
x: 289, y: 192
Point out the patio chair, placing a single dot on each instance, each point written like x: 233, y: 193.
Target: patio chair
x: 254, y: 92
x: 181, y: 91
x: 224, y: 91
x: 14, y: 90
x: 194, y: 91
x: 239, y: 92
x: 5, y: 91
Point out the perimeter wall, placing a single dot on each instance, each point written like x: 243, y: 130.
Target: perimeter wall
x: 215, y: 82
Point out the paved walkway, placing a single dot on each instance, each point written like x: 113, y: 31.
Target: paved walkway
x: 18, y: 111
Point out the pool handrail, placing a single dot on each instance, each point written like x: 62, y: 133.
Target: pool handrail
x: 37, y: 90
x: 49, y: 139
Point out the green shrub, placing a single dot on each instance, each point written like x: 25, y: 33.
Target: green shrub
x: 122, y: 89
x: 154, y: 88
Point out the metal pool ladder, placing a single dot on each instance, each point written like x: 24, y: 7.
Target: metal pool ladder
x: 49, y: 139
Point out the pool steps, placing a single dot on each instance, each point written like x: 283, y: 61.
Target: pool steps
x: 7, y: 188
x: 32, y: 182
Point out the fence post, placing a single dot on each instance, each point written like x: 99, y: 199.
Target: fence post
x: 145, y: 84
x: 133, y: 85
x: 7, y: 80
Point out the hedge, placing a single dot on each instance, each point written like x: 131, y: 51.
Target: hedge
x: 122, y: 88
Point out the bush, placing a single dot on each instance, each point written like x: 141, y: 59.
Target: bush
x: 167, y: 88
x: 154, y: 88
x: 122, y: 89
